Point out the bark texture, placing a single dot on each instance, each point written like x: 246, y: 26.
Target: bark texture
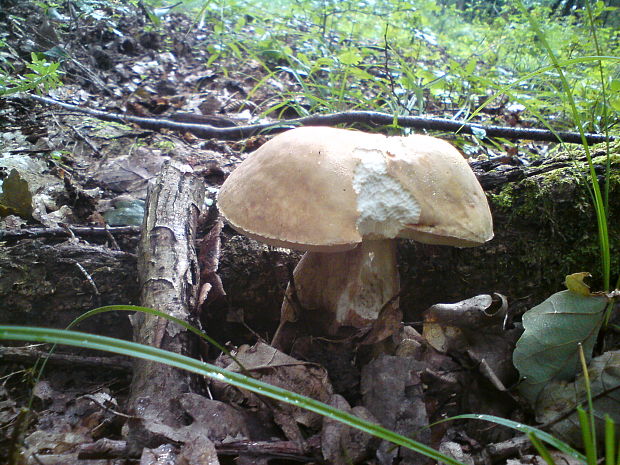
x: 168, y: 275
x: 50, y: 284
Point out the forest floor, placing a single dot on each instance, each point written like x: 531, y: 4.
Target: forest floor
x: 79, y: 175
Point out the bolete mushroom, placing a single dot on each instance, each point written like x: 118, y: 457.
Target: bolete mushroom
x: 343, y: 196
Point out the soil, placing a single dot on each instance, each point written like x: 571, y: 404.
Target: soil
x: 76, y: 248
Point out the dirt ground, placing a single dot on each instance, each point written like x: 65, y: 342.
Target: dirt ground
x: 71, y: 244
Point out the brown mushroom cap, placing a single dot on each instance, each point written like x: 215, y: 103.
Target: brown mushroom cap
x: 324, y: 189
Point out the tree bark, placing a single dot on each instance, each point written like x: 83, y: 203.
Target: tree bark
x: 168, y: 275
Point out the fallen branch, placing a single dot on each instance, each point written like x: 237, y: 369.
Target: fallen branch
x: 84, y: 231
x: 107, y: 449
x: 372, y: 118
x: 167, y: 269
x: 30, y: 355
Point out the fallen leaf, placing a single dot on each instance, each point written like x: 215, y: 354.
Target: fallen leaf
x: 559, y: 397
x: 549, y: 347
x: 574, y: 283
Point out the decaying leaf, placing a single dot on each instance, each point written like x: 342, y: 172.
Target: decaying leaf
x: 16, y: 198
x: 474, y: 327
x: 341, y: 444
x: 548, y: 349
x: 392, y: 391
x: 68, y: 421
x: 559, y: 397
x: 575, y: 283
x: 446, y: 325
x: 268, y: 364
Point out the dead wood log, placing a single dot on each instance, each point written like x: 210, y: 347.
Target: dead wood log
x: 168, y: 275
x: 545, y: 228
x: 50, y: 284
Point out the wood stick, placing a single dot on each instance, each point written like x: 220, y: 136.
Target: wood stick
x: 168, y: 275
x: 373, y: 118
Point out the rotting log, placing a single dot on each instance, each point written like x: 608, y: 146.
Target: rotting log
x: 168, y: 275
x: 545, y: 228
x: 46, y: 283
x: 544, y: 225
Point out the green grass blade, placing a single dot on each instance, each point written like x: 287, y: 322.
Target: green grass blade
x: 564, y: 63
x: 599, y: 205
x: 610, y: 441
x: 541, y: 448
x: 589, y: 442
x: 132, y: 349
x: 540, y: 434
x: 152, y: 311
x: 604, y: 101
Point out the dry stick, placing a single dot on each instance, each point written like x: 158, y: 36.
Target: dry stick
x: 168, y: 275
x: 106, y: 449
x: 349, y: 117
x: 29, y: 355
x: 84, y: 231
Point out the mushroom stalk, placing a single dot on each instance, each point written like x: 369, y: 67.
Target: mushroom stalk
x: 343, y: 293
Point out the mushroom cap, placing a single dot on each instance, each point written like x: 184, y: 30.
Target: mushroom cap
x: 324, y: 189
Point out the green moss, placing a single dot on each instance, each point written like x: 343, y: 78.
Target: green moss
x: 555, y: 209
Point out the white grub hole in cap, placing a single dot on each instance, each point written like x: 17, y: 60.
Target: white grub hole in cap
x: 385, y: 207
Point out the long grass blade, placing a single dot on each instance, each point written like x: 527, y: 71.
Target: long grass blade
x: 589, y: 443
x: 541, y: 448
x: 610, y: 441
x: 543, y: 436
x: 132, y: 349
x: 590, y: 414
x: 599, y: 204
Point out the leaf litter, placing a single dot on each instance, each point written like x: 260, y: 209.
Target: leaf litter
x: 450, y: 368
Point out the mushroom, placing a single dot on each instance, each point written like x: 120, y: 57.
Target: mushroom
x: 343, y: 197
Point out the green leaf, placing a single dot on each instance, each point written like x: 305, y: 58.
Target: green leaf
x: 548, y: 349
x: 470, y: 66
x: 350, y: 57
x: 360, y: 73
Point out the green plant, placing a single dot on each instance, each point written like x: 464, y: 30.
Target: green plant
x: 553, y: 345
x: 428, y: 57
x: 45, y: 76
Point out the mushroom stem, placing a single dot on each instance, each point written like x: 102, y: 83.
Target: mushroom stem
x: 343, y: 293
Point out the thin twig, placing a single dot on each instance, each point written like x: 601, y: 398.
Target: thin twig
x: 31, y: 233
x: 372, y: 118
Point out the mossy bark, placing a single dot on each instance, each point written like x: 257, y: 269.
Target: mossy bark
x: 545, y: 228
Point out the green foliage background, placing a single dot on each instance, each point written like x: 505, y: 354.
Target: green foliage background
x: 413, y: 57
